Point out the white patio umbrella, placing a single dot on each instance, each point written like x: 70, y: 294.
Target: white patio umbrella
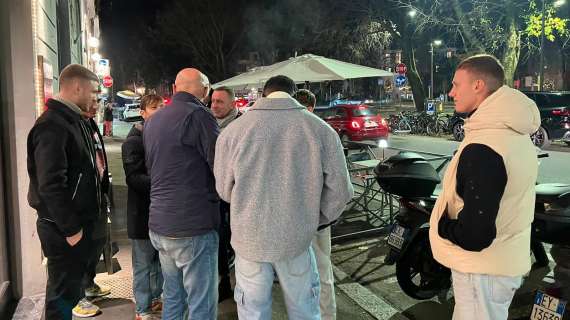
x: 307, y: 67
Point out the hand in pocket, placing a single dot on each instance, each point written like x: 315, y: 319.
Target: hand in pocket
x: 74, y: 239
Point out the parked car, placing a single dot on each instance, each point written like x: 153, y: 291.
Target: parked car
x: 245, y: 108
x: 455, y: 126
x: 355, y: 122
x: 132, y: 112
x: 554, y: 110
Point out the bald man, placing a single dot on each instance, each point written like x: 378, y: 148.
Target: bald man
x: 179, y: 143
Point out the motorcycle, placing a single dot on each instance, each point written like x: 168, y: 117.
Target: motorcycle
x: 411, y: 177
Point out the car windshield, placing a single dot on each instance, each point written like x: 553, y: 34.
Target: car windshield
x: 362, y: 112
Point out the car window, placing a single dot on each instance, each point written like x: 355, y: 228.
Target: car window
x: 339, y: 113
x: 362, y: 112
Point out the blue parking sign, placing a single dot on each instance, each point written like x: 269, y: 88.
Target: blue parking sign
x: 430, y: 108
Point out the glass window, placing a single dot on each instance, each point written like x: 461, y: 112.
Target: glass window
x: 363, y: 112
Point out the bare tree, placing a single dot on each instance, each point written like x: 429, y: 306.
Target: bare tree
x: 207, y: 32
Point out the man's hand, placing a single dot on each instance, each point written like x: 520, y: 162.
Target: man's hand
x: 74, y: 239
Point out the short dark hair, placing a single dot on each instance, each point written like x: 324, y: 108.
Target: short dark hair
x: 76, y: 71
x: 487, y: 67
x: 279, y: 83
x: 150, y: 99
x: 228, y: 90
x: 306, y: 98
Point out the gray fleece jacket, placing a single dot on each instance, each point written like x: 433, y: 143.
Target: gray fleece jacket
x: 283, y: 171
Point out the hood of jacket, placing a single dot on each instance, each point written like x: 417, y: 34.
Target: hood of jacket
x: 506, y: 108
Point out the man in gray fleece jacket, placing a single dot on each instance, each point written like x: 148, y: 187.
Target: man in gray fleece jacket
x: 283, y: 171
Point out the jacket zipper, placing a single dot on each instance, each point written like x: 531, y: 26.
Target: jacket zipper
x: 76, y: 186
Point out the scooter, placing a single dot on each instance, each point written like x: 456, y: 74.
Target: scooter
x: 409, y: 176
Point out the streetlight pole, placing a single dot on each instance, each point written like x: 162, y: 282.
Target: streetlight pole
x: 431, y: 73
x: 541, y: 64
x: 431, y: 84
x: 556, y: 4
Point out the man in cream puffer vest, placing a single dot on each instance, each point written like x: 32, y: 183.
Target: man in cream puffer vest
x: 480, y: 225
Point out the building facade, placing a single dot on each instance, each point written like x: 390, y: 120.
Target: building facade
x: 37, y: 39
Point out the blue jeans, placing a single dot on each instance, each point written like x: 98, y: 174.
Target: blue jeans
x: 298, y: 278
x: 147, y: 276
x: 483, y: 296
x: 190, y: 270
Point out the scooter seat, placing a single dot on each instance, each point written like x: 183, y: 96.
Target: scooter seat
x: 551, y: 192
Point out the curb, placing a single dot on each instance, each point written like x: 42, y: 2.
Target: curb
x: 371, y: 303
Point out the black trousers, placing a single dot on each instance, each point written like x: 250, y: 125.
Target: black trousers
x: 98, y: 244
x: 66, y: 268
x: 225, y: 249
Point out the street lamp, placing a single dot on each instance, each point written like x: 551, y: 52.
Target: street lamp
x: 96, y: 57
x: 556, y: 4
x: 437, y: 43
x: 93, y: 42
x: 412, y: 13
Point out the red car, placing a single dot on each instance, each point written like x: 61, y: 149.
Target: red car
x: 355, y: 122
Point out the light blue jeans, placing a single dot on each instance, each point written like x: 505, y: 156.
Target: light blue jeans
x: 147, y: 276
x: 483, y: 296
x: 298, y: 278
x: 190, y: 270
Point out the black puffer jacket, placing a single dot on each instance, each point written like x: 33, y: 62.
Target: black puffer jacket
x: 64, y: 186
x: 138, y: 182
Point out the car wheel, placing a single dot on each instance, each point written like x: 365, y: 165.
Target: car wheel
x: 458, y: 131
x: 540, y: 138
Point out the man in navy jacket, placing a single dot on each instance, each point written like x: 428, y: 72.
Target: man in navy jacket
x: 179, y: 143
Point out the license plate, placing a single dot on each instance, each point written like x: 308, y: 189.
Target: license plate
x: 370, y: 124
x: 397, y: 237
x: 547, y: 308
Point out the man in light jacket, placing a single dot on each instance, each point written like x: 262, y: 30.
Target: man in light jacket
x: 282, y: 169
x: 322, y: 241
x: 480, y: 225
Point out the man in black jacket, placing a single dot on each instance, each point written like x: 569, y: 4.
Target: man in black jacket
x: 65, y: 190
x: 147, y: 276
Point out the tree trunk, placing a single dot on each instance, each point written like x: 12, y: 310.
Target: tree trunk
x: 565, y: 71
x: 415, y: 81
x: 512, y: 51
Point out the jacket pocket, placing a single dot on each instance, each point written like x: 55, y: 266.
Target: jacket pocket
x: 76, y: 186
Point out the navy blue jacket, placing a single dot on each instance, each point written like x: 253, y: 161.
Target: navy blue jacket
x: 179, y: 143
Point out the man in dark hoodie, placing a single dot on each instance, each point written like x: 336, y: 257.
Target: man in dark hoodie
x: 147, y: 276
x: 65, y: 190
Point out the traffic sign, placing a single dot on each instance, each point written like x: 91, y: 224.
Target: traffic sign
x: 103, y: 68
x: 430, y: 107
x: 107, y: 81
x: 400, y: 80
x: 401, y: 68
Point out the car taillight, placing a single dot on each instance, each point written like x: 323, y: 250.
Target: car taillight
x: 355, y: 125
x: 561, y: 112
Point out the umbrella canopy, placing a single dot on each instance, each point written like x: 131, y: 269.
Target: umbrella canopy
x: 128, y: 94
x: 307, y: 67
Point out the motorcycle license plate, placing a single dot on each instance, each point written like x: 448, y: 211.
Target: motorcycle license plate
x: 370, y: 124
x: 397, y: 237
x: 547, y: 308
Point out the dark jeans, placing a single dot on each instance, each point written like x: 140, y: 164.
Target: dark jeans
x: 66, y: 269
x: 225, y: 249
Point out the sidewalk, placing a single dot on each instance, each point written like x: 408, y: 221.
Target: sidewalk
x: 119, y: 304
